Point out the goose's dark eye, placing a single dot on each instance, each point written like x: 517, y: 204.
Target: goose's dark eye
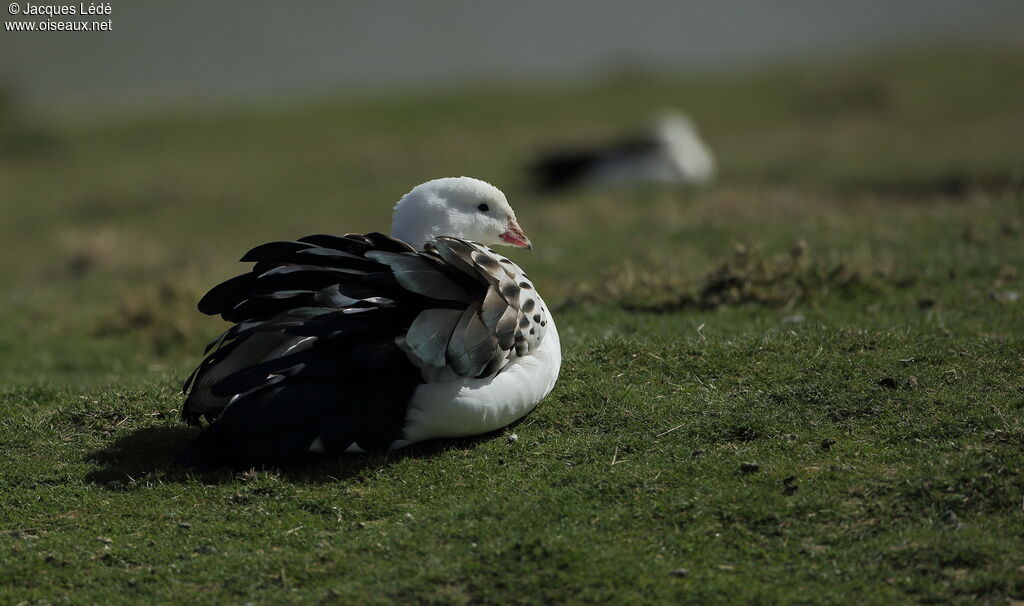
x: 483, y: 208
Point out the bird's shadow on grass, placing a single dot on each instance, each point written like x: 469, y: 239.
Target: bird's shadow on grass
x: 147, y: 455
x: 138, y: 454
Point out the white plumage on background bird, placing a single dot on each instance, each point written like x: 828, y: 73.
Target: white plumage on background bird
x: 370, y: 342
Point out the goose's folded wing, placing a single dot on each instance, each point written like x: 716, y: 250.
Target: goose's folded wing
x: 333, y: 333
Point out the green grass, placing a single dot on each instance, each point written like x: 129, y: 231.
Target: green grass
x: 802, y: 385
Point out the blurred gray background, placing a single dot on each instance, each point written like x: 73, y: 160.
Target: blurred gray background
x: 199, y: 52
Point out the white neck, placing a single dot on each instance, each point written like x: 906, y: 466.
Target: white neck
x: 417, y: 224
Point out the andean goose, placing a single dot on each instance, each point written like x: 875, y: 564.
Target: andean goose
x: 672, y: 152
x: 370, y: 342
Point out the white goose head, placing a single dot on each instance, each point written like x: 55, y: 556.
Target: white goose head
x: 463, y: 207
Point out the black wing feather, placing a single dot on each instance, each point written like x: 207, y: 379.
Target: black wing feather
x: 273, y: 251
x: 226, y: 295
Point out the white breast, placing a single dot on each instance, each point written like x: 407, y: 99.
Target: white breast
x: 465, y: 407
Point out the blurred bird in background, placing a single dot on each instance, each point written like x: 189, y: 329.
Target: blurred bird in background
x: 671, y: 152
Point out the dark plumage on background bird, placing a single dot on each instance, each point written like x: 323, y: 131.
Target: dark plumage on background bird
x: 672, y: 152
x: 372, y: 342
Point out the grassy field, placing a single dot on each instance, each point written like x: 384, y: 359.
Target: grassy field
x: 801, y: 385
